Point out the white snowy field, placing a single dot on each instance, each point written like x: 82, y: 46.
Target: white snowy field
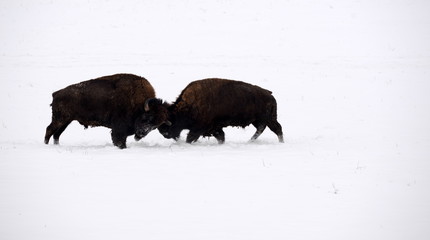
x: 352, y: 81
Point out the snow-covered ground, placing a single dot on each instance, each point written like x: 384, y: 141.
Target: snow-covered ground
x: 352, y: 81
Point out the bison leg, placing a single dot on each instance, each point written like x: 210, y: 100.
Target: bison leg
x: 55, y: 128
x: 277, y: 129
x: 58, y: 133
x: 137, y: 138
x: 192, y: 136
x: 260, y: 128
x: 119, y: 139
x: 219, y: 135
x: 49, y: 132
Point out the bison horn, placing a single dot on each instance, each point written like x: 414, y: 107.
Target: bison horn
x: 146, y: 106
x: 168, y: 123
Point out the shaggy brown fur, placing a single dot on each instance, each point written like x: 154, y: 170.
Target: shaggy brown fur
x: 112, y: 101
x: 206, y: 106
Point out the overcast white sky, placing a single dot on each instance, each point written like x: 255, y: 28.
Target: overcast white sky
x: 280, y: 28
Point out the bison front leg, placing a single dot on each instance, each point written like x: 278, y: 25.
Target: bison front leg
x: 219, y: 135
x: 193, y: 136
x: 119, y: 139
x: 137, y: 138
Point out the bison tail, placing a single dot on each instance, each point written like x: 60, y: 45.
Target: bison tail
x: 274, y: 109
x: 274, y: 112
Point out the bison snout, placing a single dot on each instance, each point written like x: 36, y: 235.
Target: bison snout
x: 142, y: 132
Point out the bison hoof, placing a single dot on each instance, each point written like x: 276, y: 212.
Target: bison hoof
x: 120, y: 145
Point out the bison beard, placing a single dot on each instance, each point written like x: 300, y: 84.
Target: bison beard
x: 115, y: 102
x: 206, y: 106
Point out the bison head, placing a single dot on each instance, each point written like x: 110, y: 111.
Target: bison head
x: 174, y: 129
x: 169, y: 132
x: 155, y: 114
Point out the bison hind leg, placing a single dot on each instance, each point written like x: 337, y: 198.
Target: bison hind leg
x: 277, y: 129
x: 49, y: 132
x: 260, y: 129
x: 58, y: 133
x: 56, y: 128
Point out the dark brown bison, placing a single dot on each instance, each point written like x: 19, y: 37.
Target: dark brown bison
x: 115, y: 102
x: 206, y: 106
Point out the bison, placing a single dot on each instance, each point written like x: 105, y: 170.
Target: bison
x: 116, y: 102
x: 206, y: 106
